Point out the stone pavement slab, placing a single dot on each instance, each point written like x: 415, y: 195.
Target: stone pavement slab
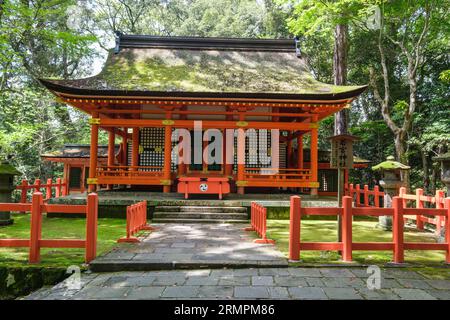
x: 249, y: 283
x: 197, y: 245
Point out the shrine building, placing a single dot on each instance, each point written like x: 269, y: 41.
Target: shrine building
x: 153, y: 90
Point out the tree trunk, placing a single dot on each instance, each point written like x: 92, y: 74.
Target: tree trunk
x: 341, y: 118
x: 400, y: 150
x: 426, y: 171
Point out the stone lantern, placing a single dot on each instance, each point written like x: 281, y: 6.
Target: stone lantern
x: 7, y: 173
x: 391, y: 183
x: 444, y: 159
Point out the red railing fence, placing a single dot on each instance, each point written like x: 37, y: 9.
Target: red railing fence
x: 422, y: 201
x: 347, y: 212
x: 51, y: 190
x: 37, y: 207
x: 136, y: 221
x: 371, y: 198
x: 258, y: 222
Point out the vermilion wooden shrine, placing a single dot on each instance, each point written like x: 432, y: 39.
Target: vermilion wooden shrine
x: 151, y: 86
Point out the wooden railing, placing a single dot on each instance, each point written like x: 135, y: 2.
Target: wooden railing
x: 258, y: 222
x: 370, y: 198
x: 136, y: 221
x: 37, y: 207
x: 422, y: 201
x: 274, y: 173
x: 129, y: 171
x: 273, y: 177
x: 347, y: 212
x: 52, y: 190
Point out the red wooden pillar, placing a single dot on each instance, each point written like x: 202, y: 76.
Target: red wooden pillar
x: 93, y: 153
x: 36, y: 228
x: 125, y: 147
x: 289, y: 150
x: 347, y: 231
x: 224, y: 150
x: 167, y: 158
x: 111, y: 151
x: 135, y: 149
x: 181, y: 156
x: 397, y: 229
x: 300, y: 151
x: 229, y: 149
x: 314, y: 160
x: 91, y: 227
x: 294, y: 228
x: 241, y: 160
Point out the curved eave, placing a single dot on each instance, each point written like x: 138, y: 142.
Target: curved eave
x: 52, y: 85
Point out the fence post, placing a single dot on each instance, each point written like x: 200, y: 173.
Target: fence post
x: 23, y: 196
x: 419, y: 205
x: 358, y: 195
x: 350, y: 190
x: 35, y: 228
x: 91, y: 227
x: 37, y: 185
x: 402, y: 194
x: 376, y: 197
x: 439, y: 205
x: 252, y: 217
x: 65, y: 189
x: 294, y: 228
x: 48, y: 189
x: 58, y: 188
x: 447, y: 229
x: 347, y: 229
x: 366, y: 195
x: 397, y: 228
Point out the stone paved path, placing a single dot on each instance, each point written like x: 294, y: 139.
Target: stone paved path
x: 251, y: 283
x: 199, y: 245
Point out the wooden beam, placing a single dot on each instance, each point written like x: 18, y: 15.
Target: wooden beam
x: 193, y: 112
x: 167, y: 157
x: 207, y: 124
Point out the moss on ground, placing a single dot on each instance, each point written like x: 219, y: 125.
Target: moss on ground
x: 109, y: 230
x: 54, y: 261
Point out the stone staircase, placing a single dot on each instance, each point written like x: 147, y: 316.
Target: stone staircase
x: 199, y: 214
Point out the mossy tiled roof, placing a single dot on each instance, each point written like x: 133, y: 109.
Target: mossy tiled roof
x: 149, y: 67
x: 8, y: 169
x: 78, y: 151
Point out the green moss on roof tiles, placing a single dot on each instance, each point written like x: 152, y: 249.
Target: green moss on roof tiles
x: 390, y: 164
x: 187, y: 70
x: 6, y: 168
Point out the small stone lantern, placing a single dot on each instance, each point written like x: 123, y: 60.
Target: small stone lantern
x: 391, y: 183
x: 7, y: 173
x: 445, y: 178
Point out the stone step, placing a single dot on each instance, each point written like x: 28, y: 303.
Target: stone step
x: 200, y: 209
x: 175, y: 220
x: 201, y: 215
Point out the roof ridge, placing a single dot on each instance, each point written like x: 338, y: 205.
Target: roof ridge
x: 204, y: 43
